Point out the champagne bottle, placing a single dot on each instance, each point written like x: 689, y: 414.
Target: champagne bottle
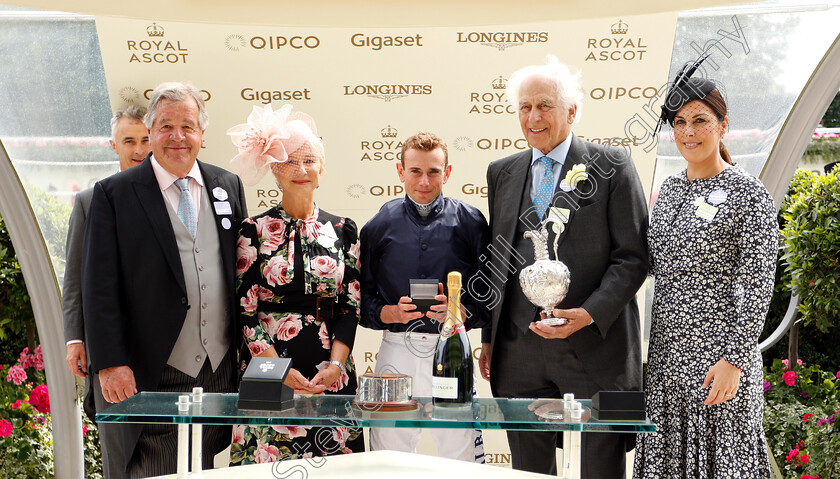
x: 452, y: 375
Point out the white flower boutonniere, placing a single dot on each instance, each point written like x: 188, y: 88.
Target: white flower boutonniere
x: 574, y: 177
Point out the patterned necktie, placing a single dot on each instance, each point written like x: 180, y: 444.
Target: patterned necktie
x: 546, y: 188
x: 186, y: 207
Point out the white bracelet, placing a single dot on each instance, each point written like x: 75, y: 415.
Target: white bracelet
x: 340, y: 365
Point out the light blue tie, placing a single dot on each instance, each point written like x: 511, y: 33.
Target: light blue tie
x: 186, y: 207
x: 546, y: 188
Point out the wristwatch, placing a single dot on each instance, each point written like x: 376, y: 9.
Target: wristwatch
x: 340, y: 365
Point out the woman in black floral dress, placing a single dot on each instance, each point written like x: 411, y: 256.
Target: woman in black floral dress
x: 713, y: 242
x: 298, y: 285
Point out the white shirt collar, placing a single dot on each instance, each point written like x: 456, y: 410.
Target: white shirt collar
x: 166, y: 179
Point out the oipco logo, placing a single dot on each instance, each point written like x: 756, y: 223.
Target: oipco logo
x: 617, y: 47
x: 236, y: 42
x: 387, y: 93
x: 623, y: 92
x: 383, y: 147
x: 501, y: 144
x: 491, y: 99
x: 129, y: 94
x: 462, y: 143
x: 154, y: 48
x: 377, y: 43
x: 267, y: 96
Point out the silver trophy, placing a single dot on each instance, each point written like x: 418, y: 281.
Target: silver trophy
x: 546, y: 282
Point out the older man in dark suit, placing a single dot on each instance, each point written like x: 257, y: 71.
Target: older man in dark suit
x: 595, y: 191
x: 158, y: 276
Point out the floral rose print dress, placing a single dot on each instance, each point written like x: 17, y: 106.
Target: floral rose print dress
x: 283, y: 265
x: 713, y: 246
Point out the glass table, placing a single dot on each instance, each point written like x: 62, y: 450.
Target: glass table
x: 342, y: 411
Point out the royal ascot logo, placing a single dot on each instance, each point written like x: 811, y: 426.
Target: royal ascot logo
x: 156, y: 49
x: 267, y: 96
x: 616, y: 48
x: 129, y: 94
x: 623, y: 92
x: 355, y: 190
x: 377, y: 43
x: 385, y: 147
x: 462, y: 143
x: 387, y: 93
x: 491, y: 100
x: 501, y: 40
x: 235, y: 42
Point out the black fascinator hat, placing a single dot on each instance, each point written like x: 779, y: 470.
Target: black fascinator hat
x: 685, y: 89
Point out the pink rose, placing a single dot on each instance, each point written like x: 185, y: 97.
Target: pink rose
x: 355, y: 291
x: 309, y: 319
x: 256, y: 347
x: 245, y: 255
x: 354, y: 249
x: 324, y: 336
x: 268, y: 322
x: 789, y: 377
x: 37, y: 359
x: 25, y: 358
x: 265, y: 294
x: 6, y: 428
x: 327, y: 267
x: 291, y: 431
x: 39, y: 398
x: 785, y: 362
x: 309, y: 229
x: 266, y: 453
x: 838, y: 374
x: 249, y: 302
x: 84, y: 430
x: 340, y: 435
x: 272, y: 233
x: 248, y: 333
x: 16, y: 375
x: 342, y: 380
x: 238, y: 435
x: 276, y: 272
x: 289, y: 327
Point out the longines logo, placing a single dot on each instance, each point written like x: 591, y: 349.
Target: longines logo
x: 377, y: 43
x: 502, y: 40
x: 267, y: 96
x: 130, y: 94
x: 386, y: 147
x: 387, y: 92
x: 621, y: 92
x: 617, y: 47
x: 235, y: 42
x: 156, y: 49
x: 491, y: 100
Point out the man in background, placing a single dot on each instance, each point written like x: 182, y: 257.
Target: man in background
x: 130, y: 141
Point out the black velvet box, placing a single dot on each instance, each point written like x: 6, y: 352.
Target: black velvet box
x: 262, y: 385
x: 618, y: 406
x: 423, y: 292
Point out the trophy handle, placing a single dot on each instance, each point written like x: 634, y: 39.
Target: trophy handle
x: 560, y: 227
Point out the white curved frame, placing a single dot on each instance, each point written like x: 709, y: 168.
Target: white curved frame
x: 46, y: 305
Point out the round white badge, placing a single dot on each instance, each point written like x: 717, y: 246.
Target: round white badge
x: 226, y: 223
x: 717, y: 197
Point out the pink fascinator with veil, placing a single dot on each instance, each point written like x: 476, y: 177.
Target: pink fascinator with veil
x: 268, y: 137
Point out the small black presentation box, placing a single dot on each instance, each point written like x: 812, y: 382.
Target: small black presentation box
x: 618, y: 406
x: 262, y: 385
x: 423, y: 292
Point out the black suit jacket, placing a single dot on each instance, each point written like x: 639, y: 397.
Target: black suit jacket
x: 604, y: 246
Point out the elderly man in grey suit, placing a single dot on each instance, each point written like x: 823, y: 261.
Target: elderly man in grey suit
x: 595, y: 191
x: 130, y: 141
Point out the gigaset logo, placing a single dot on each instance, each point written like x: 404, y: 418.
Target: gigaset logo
x: 616, y: 48
x: 377, y: 43
x: 155, y: 49
x: 267, y: 96
x: 502, y: 40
